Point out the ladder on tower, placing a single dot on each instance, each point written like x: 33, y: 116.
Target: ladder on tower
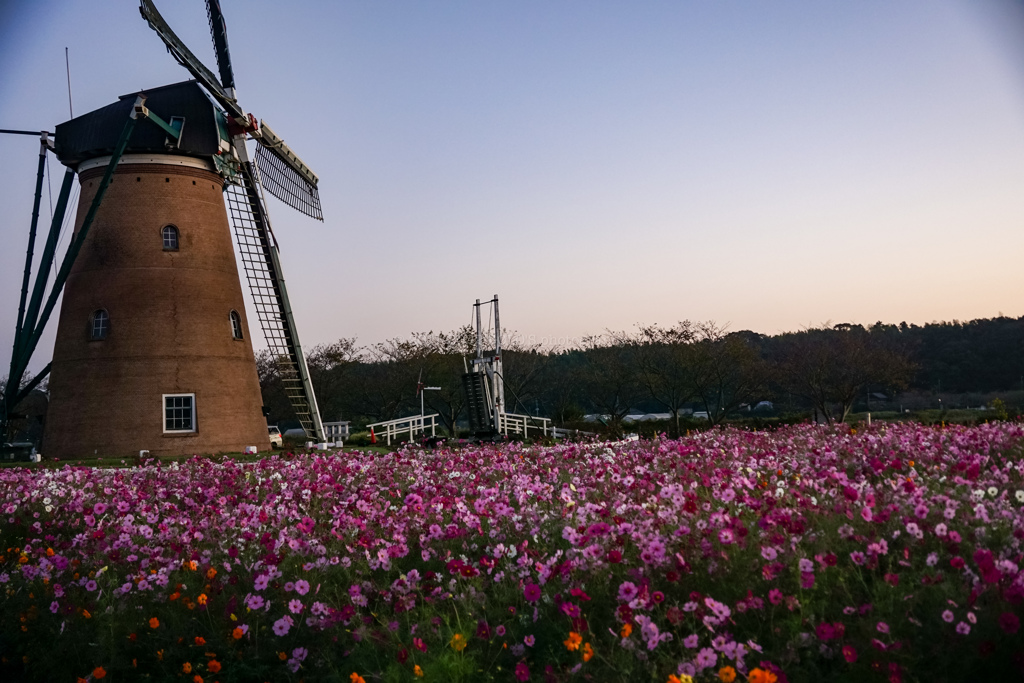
x: 263, y: 271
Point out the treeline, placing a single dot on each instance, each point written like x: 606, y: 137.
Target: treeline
x: 677, y: 370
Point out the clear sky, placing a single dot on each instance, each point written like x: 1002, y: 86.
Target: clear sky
x: 769, y: 165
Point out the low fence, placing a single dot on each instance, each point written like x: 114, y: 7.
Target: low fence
x: 392, y: 429
x: 521, y: 424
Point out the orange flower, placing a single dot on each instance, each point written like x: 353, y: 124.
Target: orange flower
x: 762, y: 676
x: 174, y: 596
x: 211, y: 572
x: 417, y: 671
x: 626, y: 630
x: 197, y: 679
x: 200, y: 640
x: 588, y: 652
x: 237, y: 633
x: 213, y: 665
x: 99, y: 672
x: 282, y: 656
x: 186, y: 667
x: 727, y: 674
x: 202, y: 599
x: 160, y: 655
x: 132, y: 637
x: 49, y: 551
x: 573, y: 641
x: 458, y: 642
x: 356, y: 678
x: 154, y: 623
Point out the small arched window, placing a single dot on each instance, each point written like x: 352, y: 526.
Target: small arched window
x: 236, y: 325
x: 170, y: 235
x: 100, y: 325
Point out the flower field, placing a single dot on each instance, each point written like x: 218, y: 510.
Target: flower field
x: 808, y: 553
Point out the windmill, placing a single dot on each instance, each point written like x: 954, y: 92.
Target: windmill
x: 278, y: 169
x: 152, y: 350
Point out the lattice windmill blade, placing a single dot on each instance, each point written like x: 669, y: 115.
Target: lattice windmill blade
x: 259, y: 254
x: 188, y: 60
x: 219, y: 30
x: 284, y: 175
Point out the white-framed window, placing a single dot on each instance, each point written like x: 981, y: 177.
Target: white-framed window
x: 179, y: 413
x: 99, y: 325
x: 236, y: 325
x: 170, y: 236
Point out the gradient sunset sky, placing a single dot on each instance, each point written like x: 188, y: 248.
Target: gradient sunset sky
x: 767, y: 165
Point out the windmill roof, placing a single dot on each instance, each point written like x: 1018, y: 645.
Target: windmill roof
x: 95, y: 134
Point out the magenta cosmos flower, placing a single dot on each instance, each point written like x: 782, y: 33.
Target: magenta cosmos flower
x: 531, y: 592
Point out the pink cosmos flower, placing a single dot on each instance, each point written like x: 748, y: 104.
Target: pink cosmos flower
x: 963, y: 628
x: 529, y: 640
x: 283, y: 625
x: 706, y: 658
x: 522, y: 672
x: 302, y: 586
x: 849, y: 653
x: 627, y: 591
x: 882, y: 627
x: 295, y: 606
x: 948, y: 616
x: 531, y: 592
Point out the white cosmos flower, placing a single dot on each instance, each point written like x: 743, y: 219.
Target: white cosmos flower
x: 979, y: 494
x: 992, y: 491
x: 1020, y: 496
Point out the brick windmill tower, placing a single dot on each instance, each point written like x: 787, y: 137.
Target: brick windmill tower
x: 153, y: 348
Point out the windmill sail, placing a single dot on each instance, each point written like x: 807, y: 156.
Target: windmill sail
x: 266, y: 283
x: 285, y: 176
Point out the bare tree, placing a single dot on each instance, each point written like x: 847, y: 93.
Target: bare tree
x: 831, y: 366
x: 727, y: 370
x: 607, y: 378
x: 330, y: 365
x: 665, y: 365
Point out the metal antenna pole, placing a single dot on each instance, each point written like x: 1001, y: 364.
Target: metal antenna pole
x: 67, y: 63
x: 479, y: 331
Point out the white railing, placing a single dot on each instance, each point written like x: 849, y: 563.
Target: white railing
x: 411, y: 425
x: 520, y: 424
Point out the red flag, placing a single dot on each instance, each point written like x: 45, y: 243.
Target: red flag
x: 373, y: 437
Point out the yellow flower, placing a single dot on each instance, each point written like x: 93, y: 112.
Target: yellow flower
x: 573, y: 641
x: 727, y: 674
x: 458, y: 642
x: 417, y: 671
x: 588, y: 652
